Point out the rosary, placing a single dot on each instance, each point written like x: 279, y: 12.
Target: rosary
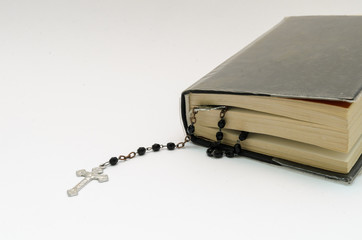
x: 215, y: 149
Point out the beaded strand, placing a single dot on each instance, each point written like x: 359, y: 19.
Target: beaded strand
x: 143, y: 150
x: 215, y: 149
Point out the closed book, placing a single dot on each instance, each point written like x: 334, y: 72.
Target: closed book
x: 296, y: 90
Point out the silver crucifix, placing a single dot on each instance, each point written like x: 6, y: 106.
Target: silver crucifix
x: 95, y: 174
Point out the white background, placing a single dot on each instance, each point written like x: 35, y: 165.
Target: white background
x: 82, y: 81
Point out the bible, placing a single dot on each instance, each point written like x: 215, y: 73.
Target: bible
x: 296, y: 90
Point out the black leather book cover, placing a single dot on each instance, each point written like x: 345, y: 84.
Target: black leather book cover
x: 312, y: 57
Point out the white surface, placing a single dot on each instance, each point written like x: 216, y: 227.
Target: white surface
x: 82, y: 81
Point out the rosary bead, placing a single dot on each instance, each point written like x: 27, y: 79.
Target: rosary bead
x: 209, y: 151
x: 219, y: 136
x: 141, y: 151
x: 229, y: 154
x: 221, y: 123
x: 237, y: 149
x: 191, y: 129
x: 113, y: 161
x: 156, y: 147
x: 171, y: 146
x: 215, y: 145
x: 243, y: 135
x: 218, y: 153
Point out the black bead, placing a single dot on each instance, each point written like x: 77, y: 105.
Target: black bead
x: 191, y: 129
x: 113, y: 161
x: 218, y: 153
x: 243, y: 135
x: 171, y: 146
x: 156, y: 147
x: 141, y: 151
x: 221, y: 123
x: 219, y: 136
x: 237, y: 149
x: 209, y: 151
x: 215, y: 144
x: 229, y: 154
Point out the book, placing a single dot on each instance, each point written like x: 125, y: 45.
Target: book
x: 296, y: 89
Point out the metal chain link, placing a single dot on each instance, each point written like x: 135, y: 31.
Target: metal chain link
x: 193, y: 115
x: 134, y: 154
